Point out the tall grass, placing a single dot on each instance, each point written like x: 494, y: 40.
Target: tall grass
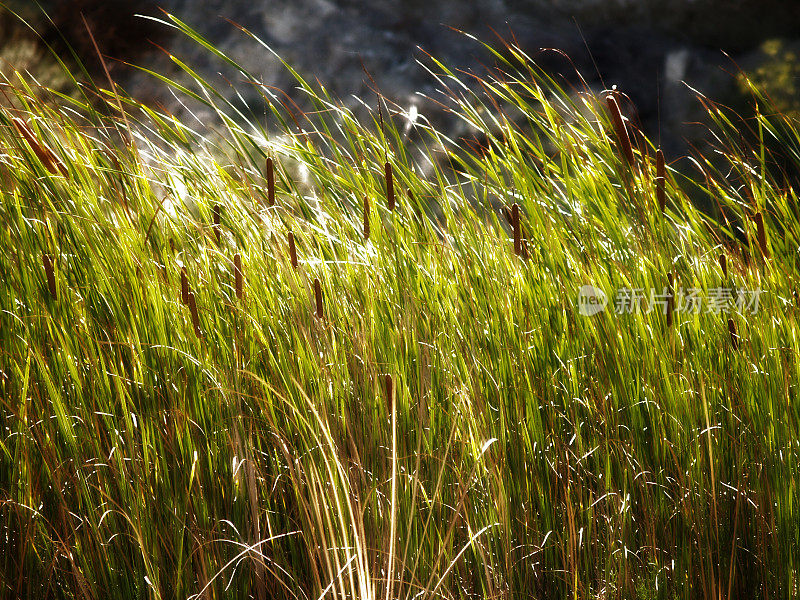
x: 225, y: 374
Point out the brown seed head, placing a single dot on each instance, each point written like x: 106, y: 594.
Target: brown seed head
x: 733, y: 334
x: 517, y: 229
x: 620, y: 129
x: 366, y: 218
x: 51, y: 162
x: 390, y: 392
x: 49, y: 272
x: 237, y: 273
x: 318, y: 299
x: 661, y: 180
x: 217, y: 221
x: 292, y: 251
x: 762, y: 234
x: 271, y: 182
x: 389, y: 186
x: 195, y: 315
x: 184, y: 287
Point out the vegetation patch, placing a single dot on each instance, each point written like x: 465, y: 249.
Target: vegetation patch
x: 316, y: 365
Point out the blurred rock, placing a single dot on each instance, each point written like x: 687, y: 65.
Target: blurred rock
x: 649, y: 49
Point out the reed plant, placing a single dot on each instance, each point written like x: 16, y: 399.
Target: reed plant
x: 449, y: 424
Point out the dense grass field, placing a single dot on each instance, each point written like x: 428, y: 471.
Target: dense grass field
x: 245, y: 365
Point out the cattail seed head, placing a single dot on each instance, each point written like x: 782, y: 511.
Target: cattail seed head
x: 271, y: 182
x: 661, y: 180
x: 762, y: 233
x: 318, y: 299
x: 390, y: 392
x: 389, y: 185
x: 723, y: 263
x: 51, y: 162
x: 195, y: 315
x: 366, y: 218
x: 620, y: 129
x: 49, y: 272
x: 517, y: 229
x: 217, y: 221
x: 237, y: 273
x: 292, y: 251
x: 184, y: 287
x: 733, y: 334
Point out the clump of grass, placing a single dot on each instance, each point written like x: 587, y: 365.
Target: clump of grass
x: 517, y: 448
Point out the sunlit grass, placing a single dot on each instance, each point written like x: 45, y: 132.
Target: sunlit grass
x: 414, y: 409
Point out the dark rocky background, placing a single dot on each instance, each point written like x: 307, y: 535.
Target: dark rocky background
x: 650, y: 49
